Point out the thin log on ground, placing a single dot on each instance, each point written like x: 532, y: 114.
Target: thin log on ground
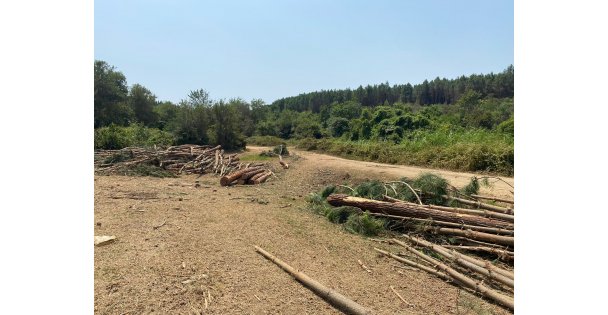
x: 484, y: 213
x: 493, y: 199
x: 336, y: 299
x: 502, y: 254
x: 496, y: 239
x: 481, y: 205
x: 483, y: 267
x: 466, y: 281
x: 449, y: 224
x: 283, y: 164
x: 468, y: 241
x: 228, y: 179
x: 415, y: 212
x: 400, y: 297
x: 415, y: 264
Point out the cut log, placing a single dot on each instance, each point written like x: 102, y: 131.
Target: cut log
x: 493, y: 199
x: 491, y: 238
x: 466, y: 281
x: 414, y: 264
x: 228, y: 179
x: 449, y: 224
x: 338, y: 300
x: 283, y: 164
x: 502, y: 254
x: 481, y: 205
x: 483, y: 267
x: 415, y: 212
x: 484, y: 213
x: 250, y: 174
x: 262, y: 178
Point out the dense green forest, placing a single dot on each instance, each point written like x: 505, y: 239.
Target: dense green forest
x: 463, y: 124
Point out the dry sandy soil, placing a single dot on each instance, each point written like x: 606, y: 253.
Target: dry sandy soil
x: 182, y: 249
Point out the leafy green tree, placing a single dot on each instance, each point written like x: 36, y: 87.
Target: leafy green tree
x: 142, y: 102
x: 110, y: 94
x: 308, y: 126
x: 348, y: 110
x: 225, y: 126
x: 166, y: 112
x: 338, y: 126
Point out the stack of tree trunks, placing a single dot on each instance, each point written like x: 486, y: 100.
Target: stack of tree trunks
x: 483, y: 229
x: 182, y: 159
x: 249, y: 175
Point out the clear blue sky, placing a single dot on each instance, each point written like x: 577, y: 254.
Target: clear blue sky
x: 274, y: 49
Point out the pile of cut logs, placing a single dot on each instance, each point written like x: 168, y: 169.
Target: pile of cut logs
x: 186, y: 159
x: 482, y: 228
x: 249, y: 175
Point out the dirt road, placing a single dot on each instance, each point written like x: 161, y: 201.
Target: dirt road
x: 183, y: 249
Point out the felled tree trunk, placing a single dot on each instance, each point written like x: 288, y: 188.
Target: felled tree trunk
x: 415, y: 212
x: 228, y: 179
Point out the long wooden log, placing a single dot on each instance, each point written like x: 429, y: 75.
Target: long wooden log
x: 450, y: 224
x: 228, y: 179
x: 483, y: 267
x: 415, y: 212
x: 493, y: 199
x: 466, y: 281
x: 496, y: 239
x: 484, y: 213
x: 338, y: 300
x: 481, y: 205
x: 414, y: 264
x: 502, y: 254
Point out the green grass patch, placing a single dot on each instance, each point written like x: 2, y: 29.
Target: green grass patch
x: 466, y: 150
x: 254, y: 157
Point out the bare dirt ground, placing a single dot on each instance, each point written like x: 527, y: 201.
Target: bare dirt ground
x: 182, y: 249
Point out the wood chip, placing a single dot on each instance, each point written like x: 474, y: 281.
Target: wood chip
x: 104, y: 239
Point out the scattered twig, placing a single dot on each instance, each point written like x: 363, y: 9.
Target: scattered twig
x: 400, y: 297
x: 159, y: 226
x: 364, y: 266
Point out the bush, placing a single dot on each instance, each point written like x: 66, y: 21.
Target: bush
x: 267, y: 141
x: 114, y: 137
x: 111, y: 138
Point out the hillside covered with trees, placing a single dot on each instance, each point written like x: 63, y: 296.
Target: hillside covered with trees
x: 463, y: 124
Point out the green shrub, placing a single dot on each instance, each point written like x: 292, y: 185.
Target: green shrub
x: 364, y: 224
x: 115, y: 137
x: 111, y: 138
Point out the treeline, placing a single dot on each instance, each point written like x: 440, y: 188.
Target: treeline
x: 133, y: 116
x: 437, y: 91
x: 468, y: 121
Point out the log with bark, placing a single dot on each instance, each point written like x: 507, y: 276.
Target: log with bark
x: 448, y: 224
x: 501, y: 298
x: 336, y: 299
x: 486, y: 237
x: 483, y: 267
x: 484, y: 213
x: 414, y: 212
